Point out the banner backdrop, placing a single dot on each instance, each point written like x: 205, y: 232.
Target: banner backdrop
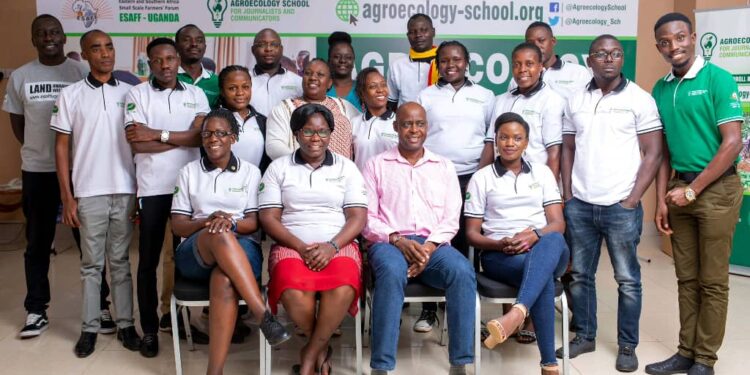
x: 489, y: 28
x: 723, y: 36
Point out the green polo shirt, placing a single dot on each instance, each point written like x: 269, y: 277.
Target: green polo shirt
x: 692, y: 108
x: 208, y: 82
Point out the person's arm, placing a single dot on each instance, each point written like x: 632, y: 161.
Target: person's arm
x: 137, y: 133
x: 475, y: 237
x: 18, y: 123
x: 62, y: 162
x: 552, y: 117
x: 376, y: 229
x: 662, y: 177
x: 279, y: 141
x: 553, y: 159
x: 355, y: 221
x: 447, y: 225
x: 650, y: 144
x: 488, y: 154
x: 566, y: 164
x: 184, y: 226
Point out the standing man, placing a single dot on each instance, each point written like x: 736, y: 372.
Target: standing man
x: 90, y: 113
x: 564, y: 77
x: 408, y: 77
x: 700, y: 205
x: 271, y: 82
x: 606, y: 128
x: 410, y: 223
x: 191, y: 46
x: 162, y: 122
x: 31, y: 93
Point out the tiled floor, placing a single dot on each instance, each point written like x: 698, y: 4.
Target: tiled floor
x: 52, y: 353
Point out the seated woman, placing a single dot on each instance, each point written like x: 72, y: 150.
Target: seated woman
x: 215, y: 208
x: 514, y: 214
x: 372, y: 132
x: 313, y: 203
x: 316, y: 81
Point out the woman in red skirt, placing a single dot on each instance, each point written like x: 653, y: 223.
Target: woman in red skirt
x: 313, y: 203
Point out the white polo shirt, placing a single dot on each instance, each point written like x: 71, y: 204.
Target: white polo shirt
x: 269, y: 91
x: 203, y: 188
x: 507, y: 203
x: 372, y: 135
x: 165, y: 109
x: 606, y: 130
x: 250, y: 146
x: 312, y: 199
x: 543, y: 109
x: 406, y: 79
x: 563, y: 77
x: 457, y: 122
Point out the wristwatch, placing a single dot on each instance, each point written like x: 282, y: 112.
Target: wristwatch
x: 164, y: 136
x: 690, y: 194
x: 538, y: 233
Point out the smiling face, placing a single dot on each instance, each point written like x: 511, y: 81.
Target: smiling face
x: 316, y: 80
x: 236, y: 90
x: 411, y: 126
x: 164, y: 61
x: 527, y: 69
x: 341, y: 60
x: 511, y: 141
x: 452, y: 64
x: 217, y: 147
x: 676, y: 43
x: 375, y: 95
x: 421, y: 34
x: 48, y: 37
x: 191, y: 45
x: 606, y: 59
x: 314, y: 137
x: 99, y: 51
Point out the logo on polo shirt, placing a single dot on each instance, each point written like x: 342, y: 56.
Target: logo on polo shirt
x: 474, y: 100
x: 130, y: 107
x: 176, y: 190
x: 261, y: 187
x: 121, y: 104
x: 55, y: 109
x: 238, y: 190
x: 289, y: 87
x: 335, y: 179
x: 190, y: 105
x: 467, y: 196
x: 697, y: 92
x: 534, y: 185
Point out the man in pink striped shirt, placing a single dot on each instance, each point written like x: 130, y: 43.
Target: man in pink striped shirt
x: 415, y: 202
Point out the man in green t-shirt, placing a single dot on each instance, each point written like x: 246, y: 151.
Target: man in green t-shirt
x: 699, y: 206
x: 191, y: 46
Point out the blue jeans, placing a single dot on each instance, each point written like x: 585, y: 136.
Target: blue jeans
x: 188, y: 261
x: 587, y: 225
x: 534, y: 274
x: 448, y: 270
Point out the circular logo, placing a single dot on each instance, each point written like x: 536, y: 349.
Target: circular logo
x: 467, y: 196
x: 347, y: 8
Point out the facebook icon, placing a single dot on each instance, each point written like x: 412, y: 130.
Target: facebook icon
x: 554, y: 7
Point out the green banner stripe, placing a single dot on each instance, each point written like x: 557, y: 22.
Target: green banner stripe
x: 324, y: 35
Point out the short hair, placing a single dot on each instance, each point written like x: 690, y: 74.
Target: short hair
x: 339, y: 37
x: 223, y: 77
x: 87, y: 34
x: 603, y: 37
x: 266, y: 30
x: 318, y: 59
x: 671, y: 17
x: 415, y: 16
x: 529, y: 46
x: 302, y: 114
x: 451, y: 43
x: 360, y: 84
x: 508, y: 117
x: 44, y: 16
x: 158, y: 42
x: 224, y: 114
x: 544, y: 25
x: 181, y: 29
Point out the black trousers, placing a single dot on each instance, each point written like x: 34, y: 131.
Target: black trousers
x: 154, y: 212
x: 41, y: 204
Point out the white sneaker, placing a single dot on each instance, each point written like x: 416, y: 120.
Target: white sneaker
x: 427, y: 320
x: 35, y: 325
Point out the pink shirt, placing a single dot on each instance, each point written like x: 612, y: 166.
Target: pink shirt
x: 422, y: 199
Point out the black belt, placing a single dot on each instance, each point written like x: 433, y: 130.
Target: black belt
x: 691, y: 176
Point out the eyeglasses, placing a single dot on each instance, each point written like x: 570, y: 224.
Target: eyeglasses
x: 323, y: 133
x: 602, y: 55
x: 272, y: 45
x: 217, y: 133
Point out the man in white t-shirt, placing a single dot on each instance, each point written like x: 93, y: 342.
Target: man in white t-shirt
x: 88, y: 118
x: 271, y: 82
x: 162, y: 122
x: 408, y: 76
x: 31, y: 93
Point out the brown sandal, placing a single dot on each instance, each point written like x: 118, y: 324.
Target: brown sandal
x: 551, y: 370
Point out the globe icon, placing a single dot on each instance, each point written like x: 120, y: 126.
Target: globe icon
x: 346, y: 8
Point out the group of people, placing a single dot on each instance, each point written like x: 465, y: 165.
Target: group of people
x: 413, y: 168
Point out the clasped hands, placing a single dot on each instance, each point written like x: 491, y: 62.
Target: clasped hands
x: 520, y: 243
x: 416, y: 254
x: 219, y: 222
x: 317, y: 255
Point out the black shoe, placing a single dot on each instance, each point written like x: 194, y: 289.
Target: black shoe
x: 199, y: 337
x: 85, y: 345
x: 273, y: 331
x: 165, y: 323
x: 149, y: 345
x: 675, y: 364
x: 627, y: 361
x: 107, y: 325
x: 700, y: 369
x: 578, y: 346
x: 129, y: 338
x: 35, y: 325
x: 427, y: 320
